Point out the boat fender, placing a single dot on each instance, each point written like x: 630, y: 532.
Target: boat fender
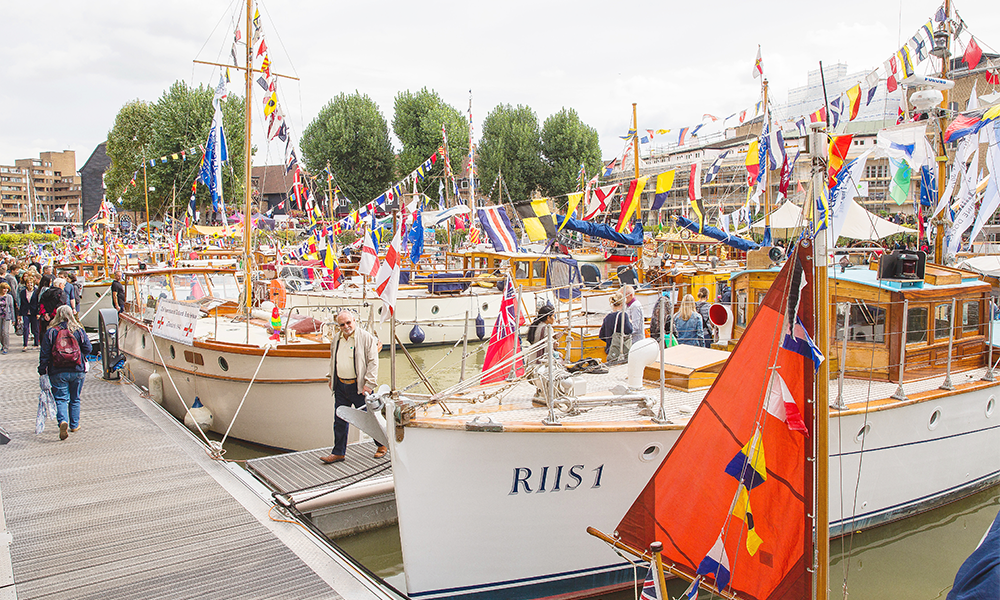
x: 277, y: 289
x: 480, y: 326
x: 156, y: 388
x: 417, y: 335
x: 643, y: 352
x: 199, y: 417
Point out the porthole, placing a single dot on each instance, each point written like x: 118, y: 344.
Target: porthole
x: 862, y: 433
x: 650, y: 453
x: 172, y: 354
x: 486, y: 305
x: 143, y: 341
x: 935, y: 419
x: 223, y: 363
x: 434, y: 309
x: 990, y: 405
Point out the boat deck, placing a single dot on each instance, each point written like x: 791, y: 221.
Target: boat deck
x: 130, y: 506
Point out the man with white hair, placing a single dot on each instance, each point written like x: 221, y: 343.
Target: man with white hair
x: 634, y: 312
x: 353, y: 373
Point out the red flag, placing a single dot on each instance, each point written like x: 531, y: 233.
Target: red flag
x: 262, y: 49
x: 504, y: 341
x: 973, y: 54
x: 838, y: 156
x: 890, y: 83
x: 854, y: 99
x: 992, y: 77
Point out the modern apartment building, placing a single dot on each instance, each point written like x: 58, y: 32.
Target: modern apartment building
x: 43, y: 189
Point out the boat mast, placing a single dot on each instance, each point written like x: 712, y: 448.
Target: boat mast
x: 767, y: 171
x: 821, y: 408
x: 145, y: 190
x: 942, y: 152
x: 247, y: 223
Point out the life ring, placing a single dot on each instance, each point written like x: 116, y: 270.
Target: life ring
x: 277, y: 289
x: 685, y: 234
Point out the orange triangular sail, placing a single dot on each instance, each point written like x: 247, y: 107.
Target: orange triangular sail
x: 698, y: 503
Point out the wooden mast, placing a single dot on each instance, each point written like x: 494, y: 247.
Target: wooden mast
x: 821, y: 406
x: 638, y: 208
x: 942, y: 157
x: 329, y: 189
x: 145, y: 190
x: 247, y: 221
x: 764, y: 165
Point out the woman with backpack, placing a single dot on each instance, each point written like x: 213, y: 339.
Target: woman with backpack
x: 65, y: 347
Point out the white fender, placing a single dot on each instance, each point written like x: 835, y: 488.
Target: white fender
x: 199, y: 414
x: 156, y: 388
x: 642, y: 353
x: 722, y: 317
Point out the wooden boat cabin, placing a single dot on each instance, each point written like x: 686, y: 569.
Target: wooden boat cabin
x: 527, y: 269
x: 217, y: 290
x: 876, y: 312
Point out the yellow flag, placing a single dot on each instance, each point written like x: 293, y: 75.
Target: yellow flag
x: 631, y: 203
x: 574, y: 199
x: 741, y: 509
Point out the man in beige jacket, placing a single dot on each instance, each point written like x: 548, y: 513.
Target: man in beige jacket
x: 353, y: 372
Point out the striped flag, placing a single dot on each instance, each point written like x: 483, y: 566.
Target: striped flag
x: 496, y: 225
x: 651, y: 586
x: 368, y: 265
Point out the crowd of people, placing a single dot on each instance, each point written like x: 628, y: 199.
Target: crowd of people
x: 39, y: 304
x: 625, y: 324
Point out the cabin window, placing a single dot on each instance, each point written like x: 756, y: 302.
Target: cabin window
x: 970, y: 317
x: 224, y: 286
x: 522, y: 271
x: 539, y: 269
x: 741, y: 308
x: 942, y: 321
x: 152, y: 288
x: 916, y: 325
x: 866, y: 323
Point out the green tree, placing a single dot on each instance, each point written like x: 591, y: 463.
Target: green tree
x: 511, y: 145
x: 566, y: 143
x: 417, y: 123
x: 178, y: 121
x: 351, y: 134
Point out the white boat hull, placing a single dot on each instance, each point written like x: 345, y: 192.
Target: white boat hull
x: 96, y: 293
x: 531, y: 544
x: 912, y: 461
x: 289, y: 406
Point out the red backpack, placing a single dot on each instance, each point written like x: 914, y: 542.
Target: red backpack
x: 66, y: 350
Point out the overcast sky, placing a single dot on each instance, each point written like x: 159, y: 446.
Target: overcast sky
x: 68, y: 67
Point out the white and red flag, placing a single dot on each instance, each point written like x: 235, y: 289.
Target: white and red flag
x: 369, y: 256
x: 387, y: 278
x: 758, y: 65
x: 504, y: 341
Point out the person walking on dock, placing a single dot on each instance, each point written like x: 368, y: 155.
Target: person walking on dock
x: 353, y: 373
x: 65, y: 347
x: 29, y: 310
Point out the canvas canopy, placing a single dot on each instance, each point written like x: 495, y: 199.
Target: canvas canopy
x: 859, y: 223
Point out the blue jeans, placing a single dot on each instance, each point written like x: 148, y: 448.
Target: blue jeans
x: 66, y: 388
x: 29, y: 325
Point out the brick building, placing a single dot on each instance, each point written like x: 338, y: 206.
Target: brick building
x: 43, y: 189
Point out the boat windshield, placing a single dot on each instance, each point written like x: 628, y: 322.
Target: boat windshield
x: 224, y: 286
x: 190, y: 287
x: 151, y: 289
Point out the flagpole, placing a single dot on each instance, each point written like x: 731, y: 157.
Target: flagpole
x: 638, y: 201
x: 767, y: 170
x: 145, y: 189
x: 942, y: 152
x: 821, y: 309
x: 247, y: 158
x: 329, y: 189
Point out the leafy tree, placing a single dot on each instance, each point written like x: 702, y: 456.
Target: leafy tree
x: 511, y: 145
x: 351, y: 134
x: 566, y: 143
x: 417, y: 123
x: 178, y: 121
